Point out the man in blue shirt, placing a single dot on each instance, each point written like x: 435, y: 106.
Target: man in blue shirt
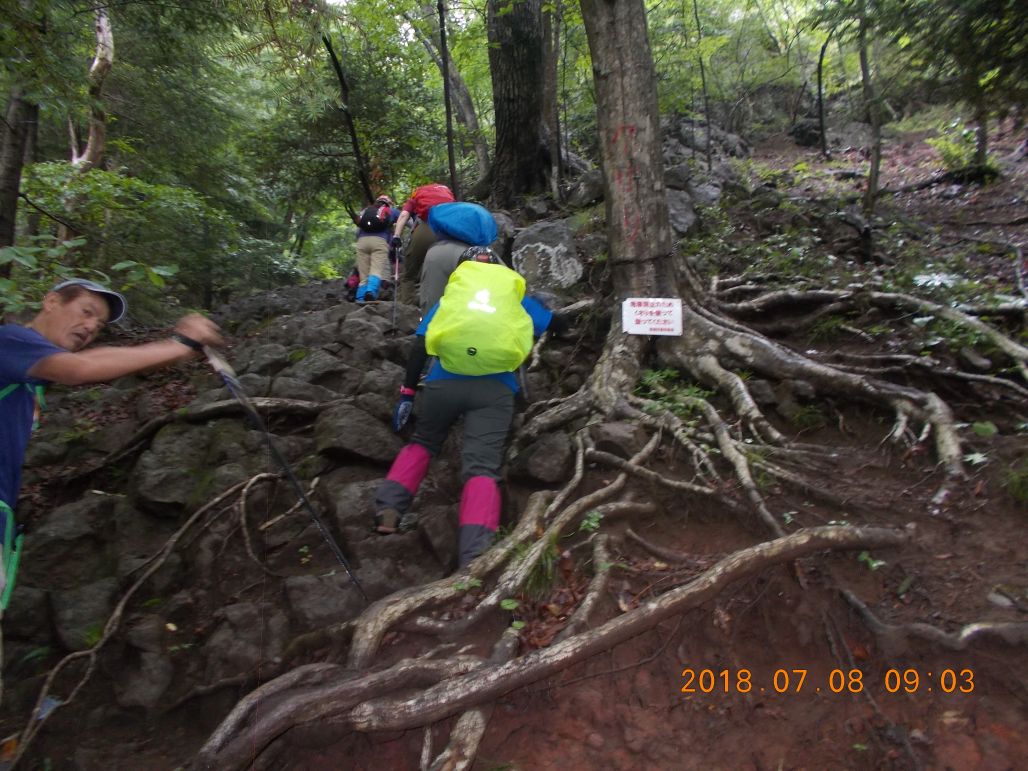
x: 49, y: 349
x: 486, y: 402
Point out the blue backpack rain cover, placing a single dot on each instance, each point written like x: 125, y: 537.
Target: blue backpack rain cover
x: 463, y: 221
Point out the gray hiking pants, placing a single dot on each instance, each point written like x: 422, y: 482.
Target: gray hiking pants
x: 487, y: 406
x: 440, y: 262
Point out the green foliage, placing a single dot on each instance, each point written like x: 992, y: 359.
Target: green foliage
x: 872, y: 563
x: 668, y: 393
x: 591, y: 522
x: 956, y: 147
x: 984, y: 428
x: 1015, y: 481
x: 93, y: 634
x: 543, y: 573
x: 471, y: 583
x: 808, y: 417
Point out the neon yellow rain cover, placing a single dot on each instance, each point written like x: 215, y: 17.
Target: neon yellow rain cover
x: 480, y: 327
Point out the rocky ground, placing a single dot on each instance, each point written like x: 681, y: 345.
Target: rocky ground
x: 781, y: 671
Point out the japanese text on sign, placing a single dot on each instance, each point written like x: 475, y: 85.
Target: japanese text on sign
x: 652, y: 316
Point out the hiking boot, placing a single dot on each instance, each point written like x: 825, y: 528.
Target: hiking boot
x: 372, y: 289
x: 387, y: 521
x: 362, y: 292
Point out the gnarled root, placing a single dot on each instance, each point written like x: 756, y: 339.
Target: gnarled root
x: 322, y: 692
x: 894, y: 639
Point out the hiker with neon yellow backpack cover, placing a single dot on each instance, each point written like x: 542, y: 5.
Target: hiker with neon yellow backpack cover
x: 49, y: 349
x: 481, y: 330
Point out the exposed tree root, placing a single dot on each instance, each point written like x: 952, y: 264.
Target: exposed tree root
x: 645, y: 473
x: 597, y: 586
x: 470, y: 728
x: 331, y: 694
x: 894, y: 639
x: 376, y: 620
x: 311, y: 693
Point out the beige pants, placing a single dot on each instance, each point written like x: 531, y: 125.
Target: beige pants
x: 372, y: 257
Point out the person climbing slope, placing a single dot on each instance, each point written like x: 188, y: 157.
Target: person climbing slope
x: 418, y: 206
x: 373, y: 242
x: 481, y: 330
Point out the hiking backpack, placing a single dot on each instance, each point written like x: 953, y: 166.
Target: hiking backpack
x: 480, y: 327
x: 374, y: 218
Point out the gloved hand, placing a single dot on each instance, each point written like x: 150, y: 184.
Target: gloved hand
x: 403, y: 408
x: 396, y: 242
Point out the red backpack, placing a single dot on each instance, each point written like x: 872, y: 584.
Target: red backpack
x: 427, y: 196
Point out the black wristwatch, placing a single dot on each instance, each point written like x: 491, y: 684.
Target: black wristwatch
x: 180, y: 338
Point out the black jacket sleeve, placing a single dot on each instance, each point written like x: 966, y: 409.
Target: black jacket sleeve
x: 415, y: 363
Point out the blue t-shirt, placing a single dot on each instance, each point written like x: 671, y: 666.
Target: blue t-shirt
x: 541, y: 317
x: 20, y: 349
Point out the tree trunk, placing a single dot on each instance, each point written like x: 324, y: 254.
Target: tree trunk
x: 344, y: 93
x: 103, y: 60
x: 981, y: 135
x: 445, y: 56
x: 12, y: 159
x: 703, y: 81
x: 821, y: 96
x: 630, y: 142
x: 551, y: 116
x: 516, y: 65
x: 463, y: 104
x: 875, y: 120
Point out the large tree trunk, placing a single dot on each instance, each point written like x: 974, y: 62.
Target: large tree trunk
x: 630, y: 142
x: 516, y: 65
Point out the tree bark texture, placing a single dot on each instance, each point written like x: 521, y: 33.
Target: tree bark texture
x: 103, y: 61
x: 633, y: 168
x: 12, y: 159
x: 516, y: 65
x: 551, y: 116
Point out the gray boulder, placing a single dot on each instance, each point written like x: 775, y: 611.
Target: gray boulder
x: 544, y: 254
x: 248, y: 635
x: 349, y: 431
x: 80, y: 613
x: 588, y: 189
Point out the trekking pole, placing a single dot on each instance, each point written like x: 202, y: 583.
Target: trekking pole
x: 396, y: 284
x: 222, y: 367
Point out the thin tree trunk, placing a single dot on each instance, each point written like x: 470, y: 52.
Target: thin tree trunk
x: 874, y: 118
x: 551, y: 116
x: 344, y: 92
x: 445, y: 56
x: 981, y: 135
x: 463, y: 104
x: 821, y: 96
x: 703, y: 81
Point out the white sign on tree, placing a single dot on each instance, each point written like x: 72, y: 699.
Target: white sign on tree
x: 652, y: 316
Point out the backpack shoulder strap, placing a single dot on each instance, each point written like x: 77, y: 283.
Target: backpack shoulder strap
x: 8, y: 389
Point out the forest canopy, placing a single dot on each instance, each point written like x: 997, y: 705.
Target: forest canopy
x: 225, y: 162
